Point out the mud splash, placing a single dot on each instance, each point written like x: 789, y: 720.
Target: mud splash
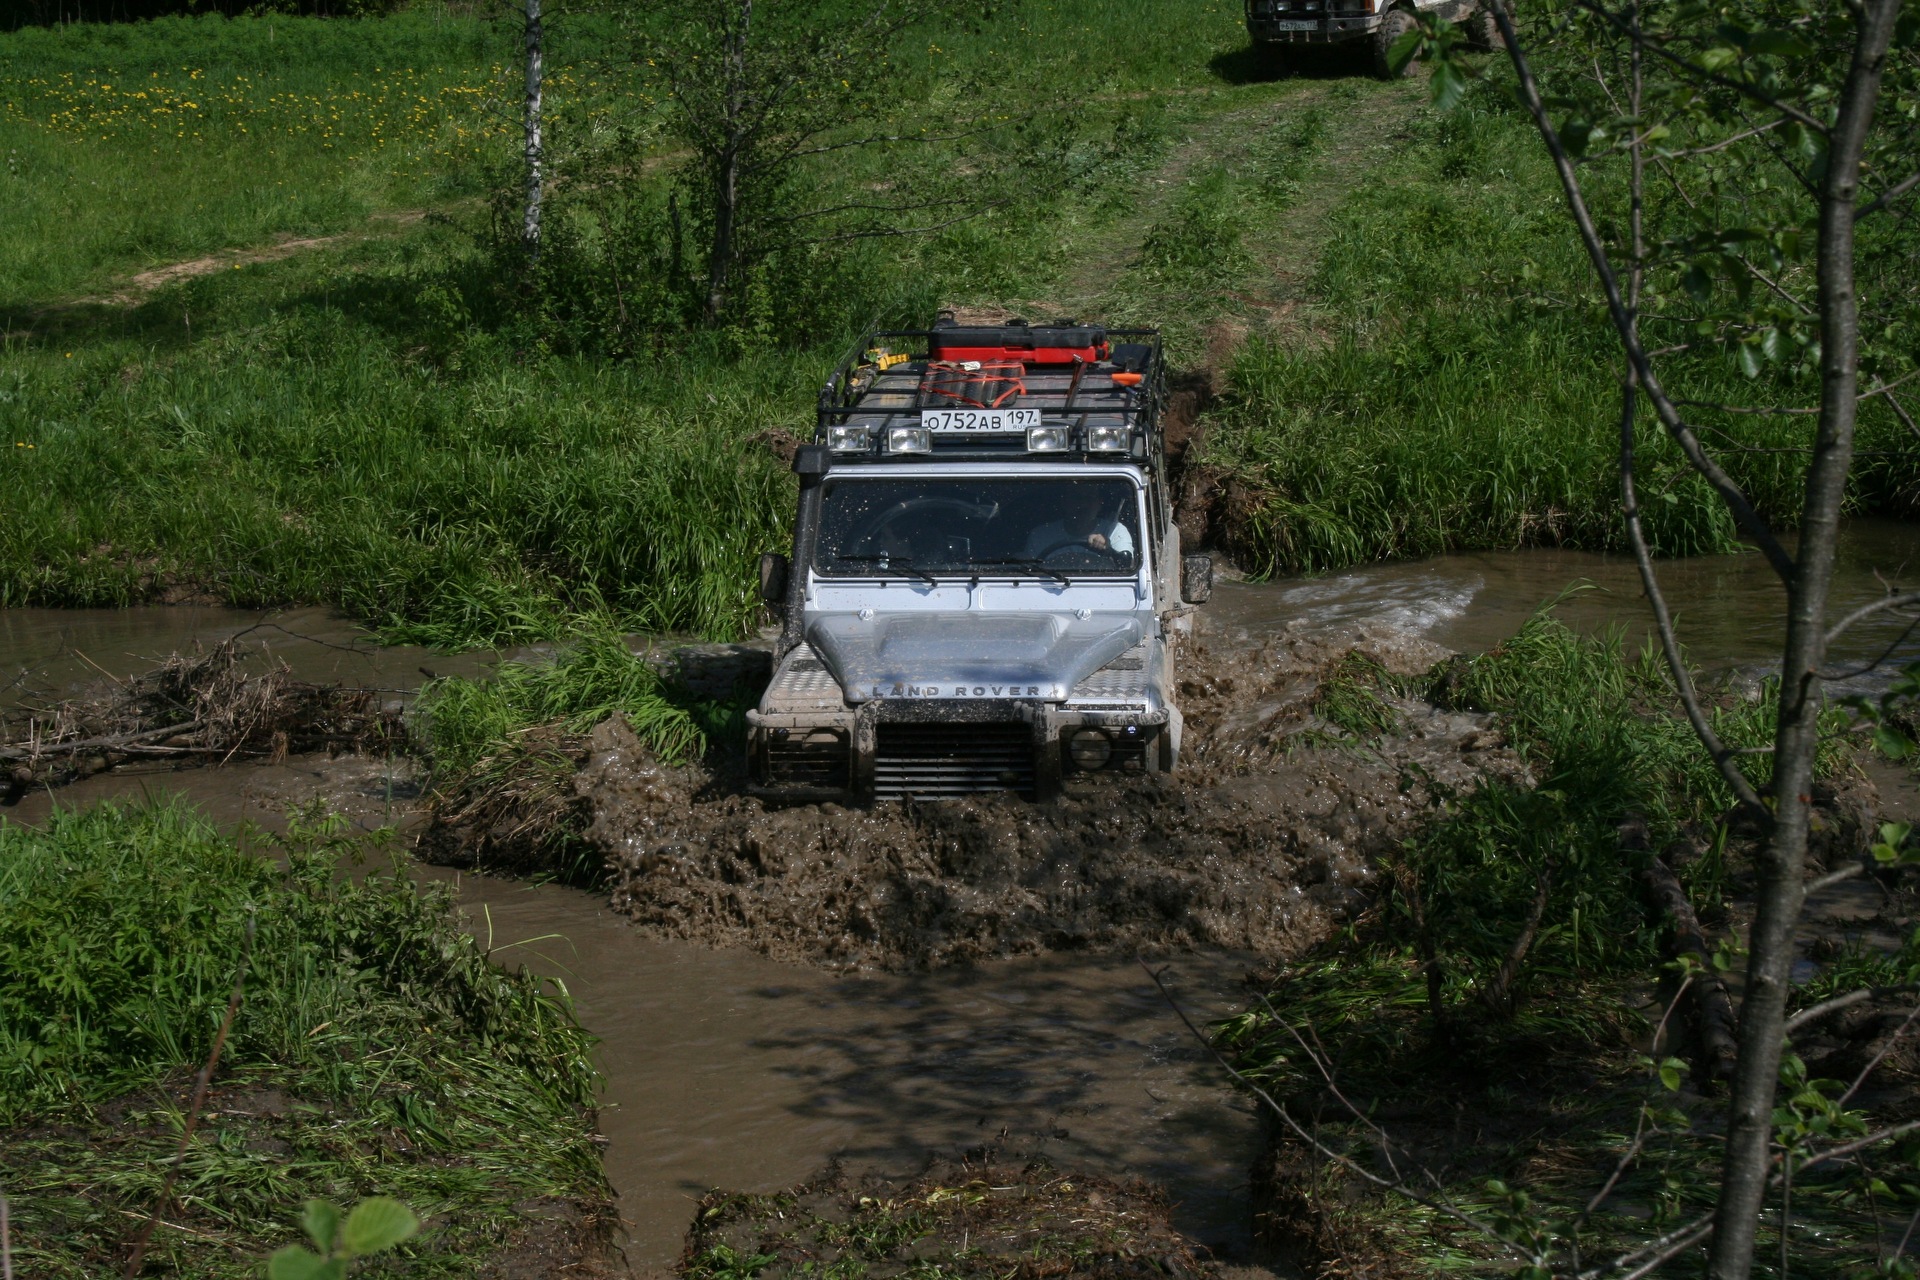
x: 1261, y: 843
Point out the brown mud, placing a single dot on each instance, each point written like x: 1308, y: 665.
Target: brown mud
x: 983, y: 1215
x: 1262, y: 841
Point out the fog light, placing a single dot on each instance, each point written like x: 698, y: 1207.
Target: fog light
x: 1089, y: 749
x: 909, y: 440
x: 1047, y: 439
x: 848, y: 438
x: 1107, y: 439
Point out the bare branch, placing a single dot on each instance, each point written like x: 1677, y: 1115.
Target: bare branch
x: 1884, y: 388
x: 1765, y: 413
x: 1904, y: 601
x: 1890, y: 195
x: 1875, y: 1061
x: 1300, y: 1131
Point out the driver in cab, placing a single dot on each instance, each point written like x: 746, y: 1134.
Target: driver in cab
x: 1081, y: 523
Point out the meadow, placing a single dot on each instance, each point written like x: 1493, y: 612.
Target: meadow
x: 389, y: 424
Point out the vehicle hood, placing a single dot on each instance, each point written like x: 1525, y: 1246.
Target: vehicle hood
x: 970, y: 654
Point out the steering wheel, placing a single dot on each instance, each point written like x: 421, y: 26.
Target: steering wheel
x: 1118, y: 558
x: 914, y: 505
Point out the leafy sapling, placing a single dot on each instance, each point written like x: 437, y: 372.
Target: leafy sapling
x: 375, y: 1225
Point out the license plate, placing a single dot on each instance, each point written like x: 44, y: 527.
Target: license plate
x: 1296, y: 24
x: 966, y: 420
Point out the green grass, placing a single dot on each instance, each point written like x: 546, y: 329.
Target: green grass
x: 128, y: 145
x: 1461, y: 392
x: 391, y: 428
x: 467, y: 722
x: 1550, y: 1076
x: 376, y: 1051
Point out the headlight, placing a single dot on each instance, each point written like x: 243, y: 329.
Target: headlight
x: 1090, y: 749
x: 909, y: 440
x: 849, y: 438
x: 1048, y: 439
x: 1107, y: 439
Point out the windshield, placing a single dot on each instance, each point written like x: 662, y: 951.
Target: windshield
x: 1051, y: 526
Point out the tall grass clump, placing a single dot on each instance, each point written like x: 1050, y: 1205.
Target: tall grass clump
x: 375, y: 1051
x: 1546, y: 861
x: 596, y: 675
x: 505, y: 750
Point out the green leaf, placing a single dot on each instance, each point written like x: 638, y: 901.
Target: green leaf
x: 1891, y: 744
x: 295, y: 1263
x: 1448, y: 83
x: 378, y: 1222
x: 1749, y: 359
x: 1698, y: 283
x: 1403, y: 49
x: 1670, y: 1075
x: 322, y: 1223
x: 1717, y: 57
x: 1781, y: 44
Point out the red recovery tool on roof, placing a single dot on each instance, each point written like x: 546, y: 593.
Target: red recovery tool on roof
x: 1017, y: 340
x: 983, y: 384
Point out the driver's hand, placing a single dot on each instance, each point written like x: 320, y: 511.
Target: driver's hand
x: 1097, y: 541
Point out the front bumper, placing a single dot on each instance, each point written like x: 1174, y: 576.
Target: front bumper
x: 1270, y: 23
x: 805, y: 741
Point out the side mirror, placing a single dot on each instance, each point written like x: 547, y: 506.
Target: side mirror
x: 1196, y: 578
x: 773, y: 578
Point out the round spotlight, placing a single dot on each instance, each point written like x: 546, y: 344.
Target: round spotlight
x: 1090, y: 749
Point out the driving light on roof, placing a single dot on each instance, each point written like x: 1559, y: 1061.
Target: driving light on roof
x: 849, y: 438
x: 1107, y: 439
x: 909, y: 440
x: 1048, y: 439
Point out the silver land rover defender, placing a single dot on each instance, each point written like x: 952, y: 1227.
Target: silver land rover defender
x: 984, y: 571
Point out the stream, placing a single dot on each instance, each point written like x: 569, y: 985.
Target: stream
x: 726, y: 1069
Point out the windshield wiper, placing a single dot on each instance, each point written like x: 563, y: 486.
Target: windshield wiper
x: 1033, y: 564
x: 888, y: 563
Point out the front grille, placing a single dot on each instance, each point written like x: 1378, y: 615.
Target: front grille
x: 817, y: 759
x: 927, y: 761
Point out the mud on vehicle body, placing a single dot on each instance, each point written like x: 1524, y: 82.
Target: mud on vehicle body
x: 1281, y: 26
x: 985, y: 569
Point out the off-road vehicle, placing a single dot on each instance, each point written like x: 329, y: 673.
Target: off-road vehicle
x: 984, y: 570
x: 1280, y: 27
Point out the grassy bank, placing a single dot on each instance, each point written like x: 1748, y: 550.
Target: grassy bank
x: 381, y: 424
x: 376, y: 1052
x: 1495, y: 1012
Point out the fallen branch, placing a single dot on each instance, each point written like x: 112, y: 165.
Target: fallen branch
x: 1713, y: 1017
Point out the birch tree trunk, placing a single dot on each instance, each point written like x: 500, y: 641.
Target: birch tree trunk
x: 535, y: 39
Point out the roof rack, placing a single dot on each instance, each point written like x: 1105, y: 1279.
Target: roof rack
x: 1060, y: 392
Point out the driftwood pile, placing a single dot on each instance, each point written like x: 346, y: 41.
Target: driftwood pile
x: 194, y: 709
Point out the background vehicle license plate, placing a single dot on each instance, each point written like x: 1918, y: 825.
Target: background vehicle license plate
x: 979, y: 419
x: 1296, y: 24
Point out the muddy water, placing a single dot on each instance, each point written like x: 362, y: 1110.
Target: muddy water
x: 1729, y: 610
x: 727, y: 1069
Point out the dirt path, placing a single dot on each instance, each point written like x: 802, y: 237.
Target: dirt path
x: 1364, y: 122
x: 137, y: 289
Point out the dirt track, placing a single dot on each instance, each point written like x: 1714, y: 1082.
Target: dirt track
x: 1262, y: 842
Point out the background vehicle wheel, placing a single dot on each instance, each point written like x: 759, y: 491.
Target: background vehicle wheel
x: 1391, y: 28
x: 1483, y: 33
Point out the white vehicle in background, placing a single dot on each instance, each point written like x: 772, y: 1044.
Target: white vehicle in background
x: 1282, y: 27
x: 984, y: 570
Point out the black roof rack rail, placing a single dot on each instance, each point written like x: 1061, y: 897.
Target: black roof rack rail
x: 893, y: 376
